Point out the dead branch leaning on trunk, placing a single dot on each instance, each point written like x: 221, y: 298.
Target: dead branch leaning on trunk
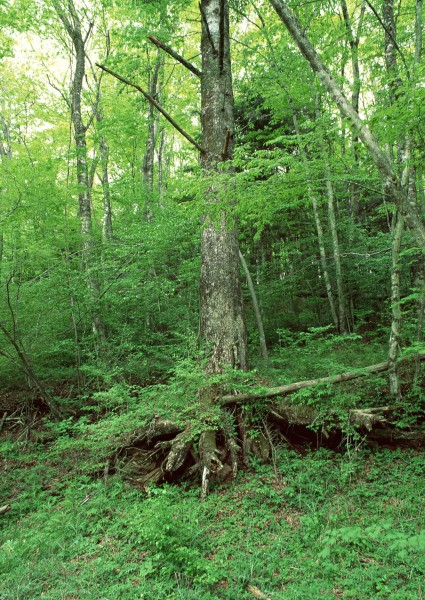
x: 156, y: 105
x: 175, y: 55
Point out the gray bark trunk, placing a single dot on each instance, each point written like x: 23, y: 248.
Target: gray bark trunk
x: 149, y: 156
x: 418, y: 31
x: 5, y: 153
x: 107, y: 211
x: 222, y: 326
x: 337, y: 256
x: 72, y: 25
x: 5, y: 143
x: 320, y: 236
x: 379, y: 157
x: 354, y: 40
x: 394, y: 342
x: 161, y: 152
x: 222, y: 323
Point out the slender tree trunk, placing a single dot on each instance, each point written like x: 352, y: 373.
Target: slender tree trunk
x: 257, y: 312
x: 342, y: 319
x: 6, y: 155
x: 160, y: 159
x: 394, y: 342
x: 72, y: 25
x: 354, y: 40
x: 104, y: 178
x: 319, y: 229
x: 5, y: 143
x: 149, y: 156
x: 418, y: 31
x: 107, y: 211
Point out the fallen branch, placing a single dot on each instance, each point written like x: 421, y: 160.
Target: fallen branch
x: 299, y: 385
x: 359, y: 418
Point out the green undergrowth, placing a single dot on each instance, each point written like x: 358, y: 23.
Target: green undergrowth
x: 322, y: 525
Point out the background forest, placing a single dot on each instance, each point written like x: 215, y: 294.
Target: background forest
x: 113, y: 220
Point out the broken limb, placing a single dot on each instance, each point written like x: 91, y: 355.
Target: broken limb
x: 175, y: 55
x: 156, y: 105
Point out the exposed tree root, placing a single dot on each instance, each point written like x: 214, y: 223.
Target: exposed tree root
x: 167, y: 451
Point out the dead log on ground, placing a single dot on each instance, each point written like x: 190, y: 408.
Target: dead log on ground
x: 166, y: 451
x: 284, y: 390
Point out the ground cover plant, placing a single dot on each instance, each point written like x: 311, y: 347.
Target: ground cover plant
x: 307, y: 521
x: 311, y: 524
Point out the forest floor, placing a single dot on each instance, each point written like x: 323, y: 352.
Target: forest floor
x: 310, y: 523
x: 321, y: 524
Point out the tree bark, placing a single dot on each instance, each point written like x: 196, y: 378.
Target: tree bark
x: 284, y: 390
x: 335, y: 246
x: 222, y: 322
x: 257, y: 312
x: 319, y: 229
x: 149, y: 156
x: 395, y: 333
x: 354, y: 40
x: 222, y: 326
x: 104, y: 178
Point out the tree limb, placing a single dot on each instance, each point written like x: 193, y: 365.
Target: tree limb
x: 299, y: 385
x: 156, y: 105
x: 390, y: 35
x: 175, y: 55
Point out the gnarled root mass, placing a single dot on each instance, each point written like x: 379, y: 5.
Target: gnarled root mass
x: 166, y: 451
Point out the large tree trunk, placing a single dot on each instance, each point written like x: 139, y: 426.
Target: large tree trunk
x: 222, y: 324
